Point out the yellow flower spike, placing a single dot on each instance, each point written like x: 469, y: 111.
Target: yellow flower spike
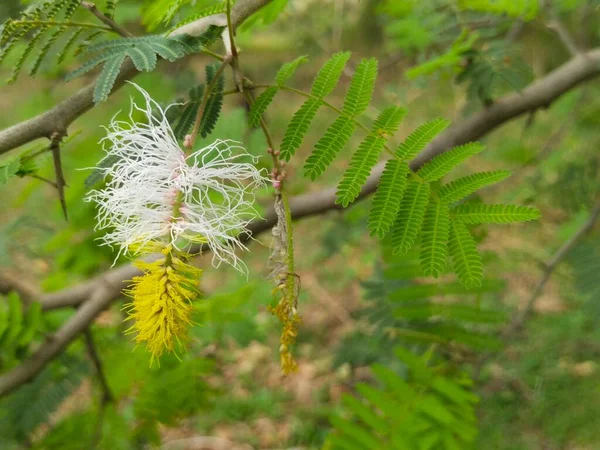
x: 161, y: 308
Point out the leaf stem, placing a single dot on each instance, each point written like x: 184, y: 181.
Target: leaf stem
x: 61, y: 24
x: 333, y: 108
x: 207, y: 92
x: 106, y: 20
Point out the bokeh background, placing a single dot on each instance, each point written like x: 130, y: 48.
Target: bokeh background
x: 537, y: 390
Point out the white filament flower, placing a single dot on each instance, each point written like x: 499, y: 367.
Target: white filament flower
x: 155, y: 193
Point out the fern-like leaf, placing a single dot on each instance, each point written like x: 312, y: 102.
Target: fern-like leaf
x: 361, y: 163
x: 92, y: 64
x: 288, y: 69
x: 466, y: 260
x: 465, y: 186
x: 296, y: 130
x: 32, y: 43
x: 260, y: 105
x: 419, y: 138
x: 388, y: 196
x: 482, y: 213
x: 389, y: 120
x: 210, y: 11
x: 214, y: 104
x: 69, y: 45
x: 361, y: 88
x: 45, y: 49
x: 108, y: 76
x: 329, y: 75
x: 186, y: 121
x: 434, y: 240
x: 410, y: 216
x: 143, y: 57
x: 335, y: 138
x: 439, y: 166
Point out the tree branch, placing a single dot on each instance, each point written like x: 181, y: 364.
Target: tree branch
x: 551, y: 265
x: 59, y: 118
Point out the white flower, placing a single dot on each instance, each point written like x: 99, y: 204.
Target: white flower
x: 155, y: 193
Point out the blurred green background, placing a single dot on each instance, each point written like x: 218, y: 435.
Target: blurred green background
x: 538, y: 391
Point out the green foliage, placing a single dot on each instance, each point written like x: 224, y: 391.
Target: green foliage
x: 442, y: 164
x: 46, y: 23
x: 492, y: 71
x: 264, y: 100
x: 410, y: 216
x: 465, y: 257
x: 337, y: 135
x: 480, y: 213
x: 23, y: 411
x: 520, y: 9
x: 431, y: 407
x: 208, y: 11
x: 465, y: 186
x: 419, y: 138
x: 18, y: 326
x: 361, y: 163
x: 214, y: 103
x: 399, y: 206
x: 184, y: 122
x: 325, y: 81
x: 108, y: 77
x: 143, y: 52
x: 451, y: 59
x: 388, y: 196
x: 434, y: 245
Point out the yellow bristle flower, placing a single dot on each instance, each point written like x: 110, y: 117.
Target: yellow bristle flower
x: 161, y: 308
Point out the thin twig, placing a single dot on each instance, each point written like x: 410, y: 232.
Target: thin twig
x: 563, y: 34
x: 107, y: 395
x: 106, y: 20
x: 550, y: 267
x: 60, y: 177
x: 207, y: 93
x: 45, y: 180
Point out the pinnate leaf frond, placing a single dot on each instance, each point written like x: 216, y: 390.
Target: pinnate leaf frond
x: 482, y: 213
x: 439, y: 166
x: 465, y: 186
x: 388, y: 196
x: 419, y: 138
x: 466, y: 260
x: 410, y: 216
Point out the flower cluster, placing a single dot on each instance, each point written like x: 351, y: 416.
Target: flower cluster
x: 158, y: 199
x: 155, y: 192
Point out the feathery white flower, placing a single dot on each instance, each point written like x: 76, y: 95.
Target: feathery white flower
x: 155, y: 193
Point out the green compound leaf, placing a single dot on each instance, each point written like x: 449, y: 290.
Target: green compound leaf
x: 434, y: 239
x: 143, y: 57
x: 108, y: 76
x: 335, y: 138
x: 465, y: 186
x: 388, y: 196
x: 260, y: 105
x: 410, y: 216
x: 361, y: 88
x: 389, y: 120
x: 481, y: 213
x: 444, y: 163
x: 298, y: 127
x: 361, y: 163
x: 466, y: 260
x: 419, y: 138
x: 288, y: 69
x: 329, y: 75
